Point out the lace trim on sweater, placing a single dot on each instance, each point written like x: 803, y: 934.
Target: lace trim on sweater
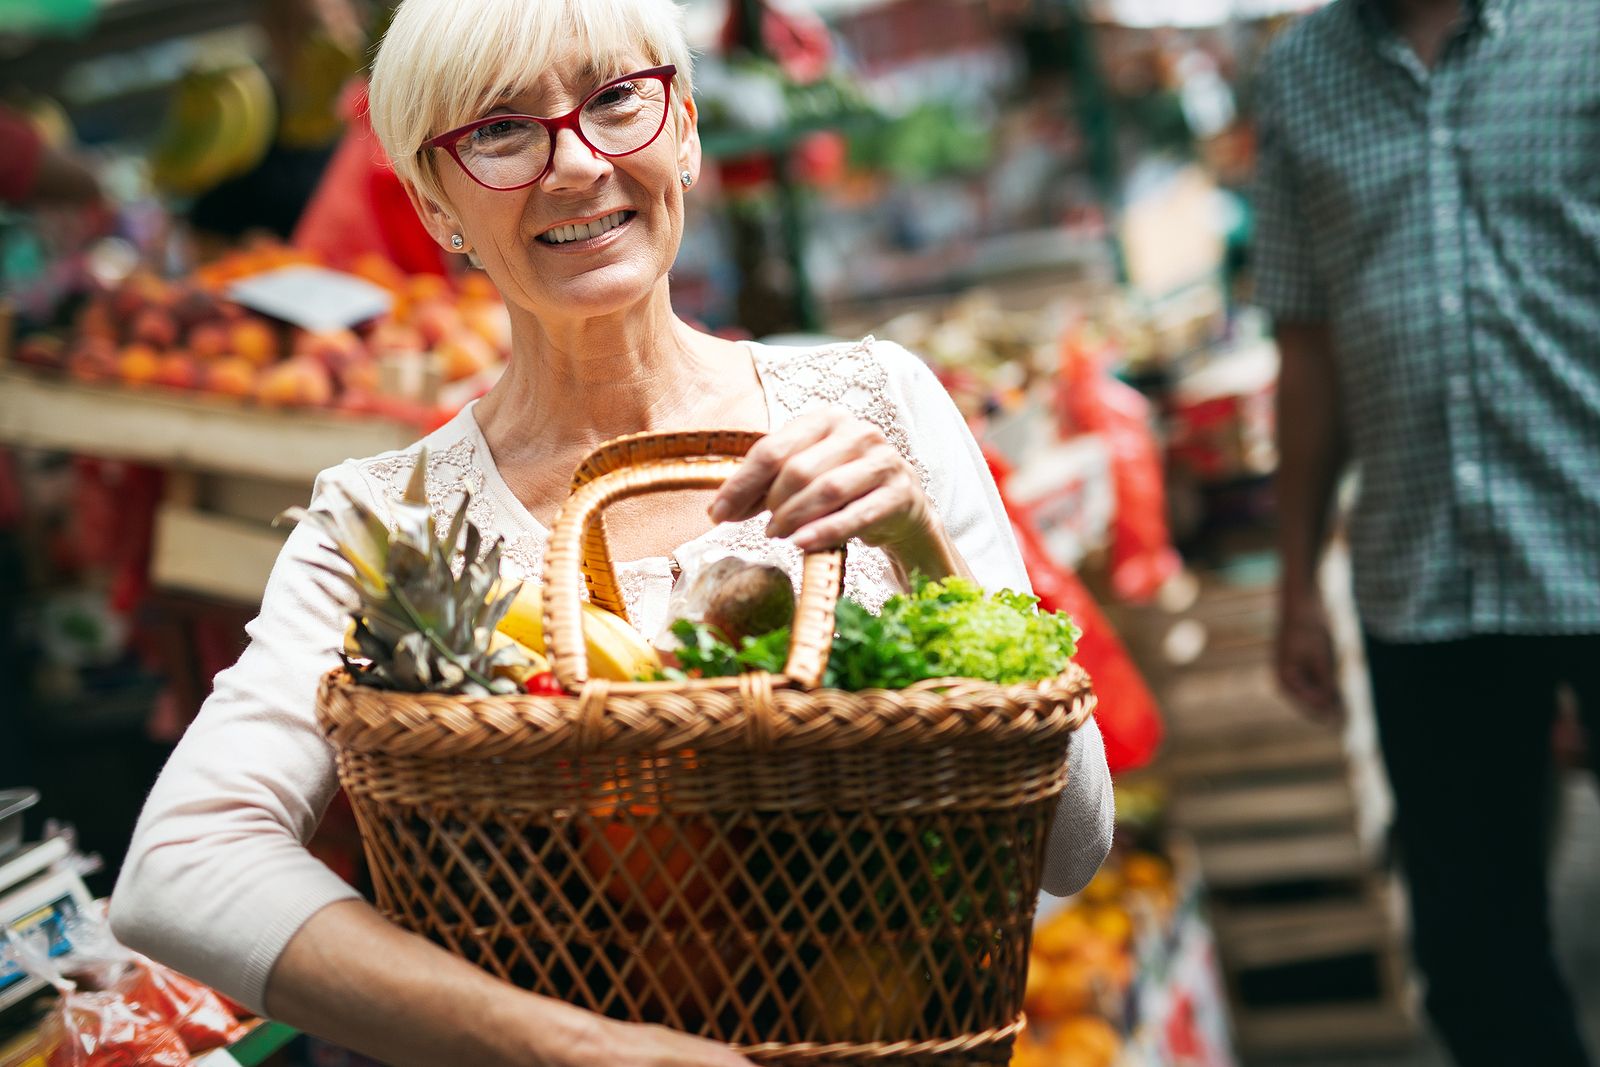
x: 847, y: 375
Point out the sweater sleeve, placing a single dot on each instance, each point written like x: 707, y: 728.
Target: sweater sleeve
x: 218, y: 879
x: 958, y: 479
x: 964, y: 494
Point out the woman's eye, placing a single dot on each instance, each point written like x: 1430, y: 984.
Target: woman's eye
x: 495, y: 131
x: 613, y: 95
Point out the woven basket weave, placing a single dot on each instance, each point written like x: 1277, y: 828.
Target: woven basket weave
x: 811, y: 875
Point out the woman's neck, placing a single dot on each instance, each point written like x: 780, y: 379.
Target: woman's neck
x: 575, y: 383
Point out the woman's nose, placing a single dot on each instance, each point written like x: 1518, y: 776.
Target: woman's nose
x: 573, y: 164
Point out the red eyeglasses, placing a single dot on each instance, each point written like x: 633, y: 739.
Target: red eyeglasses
x: 621, y: 117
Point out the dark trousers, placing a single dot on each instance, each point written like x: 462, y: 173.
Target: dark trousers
x: 1466, y: 733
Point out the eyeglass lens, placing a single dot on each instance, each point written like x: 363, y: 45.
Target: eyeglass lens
x: 620, y: 118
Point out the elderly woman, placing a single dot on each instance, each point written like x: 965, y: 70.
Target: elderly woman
x: 553, y: 142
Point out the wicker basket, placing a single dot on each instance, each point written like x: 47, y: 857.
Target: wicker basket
x: 810, y: 875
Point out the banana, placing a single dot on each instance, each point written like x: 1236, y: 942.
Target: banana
x: 520, y: 672
x: 616, y: 650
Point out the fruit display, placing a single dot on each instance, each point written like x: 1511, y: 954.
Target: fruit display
x: 442, y: 342
x: 1082, y: 967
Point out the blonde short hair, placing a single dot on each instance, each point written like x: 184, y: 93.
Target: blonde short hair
x: 443, y: 62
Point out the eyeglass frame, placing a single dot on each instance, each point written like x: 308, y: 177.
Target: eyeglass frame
x: 553, y: 126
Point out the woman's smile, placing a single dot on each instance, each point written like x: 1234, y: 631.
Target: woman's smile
x: 587, y: 234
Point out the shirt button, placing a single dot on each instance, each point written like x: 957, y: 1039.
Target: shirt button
x: 1441, y: 137
x: 1460, y: 387
x: 1450, y: 304
x: 1469, y: 474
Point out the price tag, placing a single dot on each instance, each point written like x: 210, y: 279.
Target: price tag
x: 313, y: 298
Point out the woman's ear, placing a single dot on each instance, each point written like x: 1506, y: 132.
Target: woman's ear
x: 440, y: 224
x: 689, y: 139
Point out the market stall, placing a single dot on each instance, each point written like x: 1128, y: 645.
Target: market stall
x: 1040, y: 201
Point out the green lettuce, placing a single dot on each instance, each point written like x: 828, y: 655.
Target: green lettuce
x: 947, y: 629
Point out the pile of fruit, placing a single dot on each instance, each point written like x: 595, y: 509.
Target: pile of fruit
x: 151, y: 332
x: 1082, y: 964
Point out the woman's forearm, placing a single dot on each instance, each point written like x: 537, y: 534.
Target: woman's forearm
x: 354, y: 978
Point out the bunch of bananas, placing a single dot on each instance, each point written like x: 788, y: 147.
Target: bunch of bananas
x: 219, y: 124
x: 617, y: 652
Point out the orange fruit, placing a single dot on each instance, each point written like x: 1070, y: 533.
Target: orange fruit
x: 1061, y: 934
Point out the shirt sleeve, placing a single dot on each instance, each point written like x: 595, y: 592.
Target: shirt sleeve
x: 964, y: 493
x: 218, y: 879
x: 1282, y: 255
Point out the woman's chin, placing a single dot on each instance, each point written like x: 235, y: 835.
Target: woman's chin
x: 602, y: 291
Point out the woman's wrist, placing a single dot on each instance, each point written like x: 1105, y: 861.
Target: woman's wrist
x: 929, y: 553
x: 545, y: 1032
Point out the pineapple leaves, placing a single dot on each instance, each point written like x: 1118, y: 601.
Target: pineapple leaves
x: 427, y: 601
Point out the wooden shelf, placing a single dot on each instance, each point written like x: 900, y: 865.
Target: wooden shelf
x: 178, y: 432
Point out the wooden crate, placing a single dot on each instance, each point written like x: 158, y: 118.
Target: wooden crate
x: 1318, y: 972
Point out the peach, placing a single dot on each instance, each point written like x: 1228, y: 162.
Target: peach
x: 195, y: 306
x: 334, y: 349
x: 96, y: 319
x: 209, y: 340
x: 231, y: 376
x: 178, y: 370
x: 475, y: 287
x: 359, y: 377
x: 425, y: 288
x: 492, y: 322
x: 296, y: 382
x: 155, y: 327
x: 41, y: 350
x: 137, y: 365
x: 91, y: 359
x: 253, y: 339
x: 436, y: 320
x: 390, y: 336
x: 379, y: 271
x: 138, y: 291
x: 465, y: 355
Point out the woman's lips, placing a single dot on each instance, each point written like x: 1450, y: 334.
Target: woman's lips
x: 586, y: 236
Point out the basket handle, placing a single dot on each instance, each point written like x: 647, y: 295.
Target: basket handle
x: 578, y: 549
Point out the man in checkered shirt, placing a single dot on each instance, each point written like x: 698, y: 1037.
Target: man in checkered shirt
x: 1429, y: 247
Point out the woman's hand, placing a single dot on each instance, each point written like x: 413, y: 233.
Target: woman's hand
x: 638, y: 1045
x: 829, y: 476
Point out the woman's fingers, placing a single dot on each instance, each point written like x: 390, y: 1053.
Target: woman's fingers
x: 821, y: 470
x: 745, y: 493
x: 833, y: 489
x: 853, y: 520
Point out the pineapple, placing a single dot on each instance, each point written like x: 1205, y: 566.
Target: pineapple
x: 419, y: 625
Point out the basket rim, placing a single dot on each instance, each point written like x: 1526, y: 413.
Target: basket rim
x: 752, y: 712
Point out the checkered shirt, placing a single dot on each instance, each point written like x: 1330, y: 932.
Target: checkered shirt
x: 1445, y: 223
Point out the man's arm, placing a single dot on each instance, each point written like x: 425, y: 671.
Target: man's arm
x: 1311, y: 456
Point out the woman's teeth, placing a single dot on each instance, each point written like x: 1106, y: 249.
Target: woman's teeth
x: 562, y: 234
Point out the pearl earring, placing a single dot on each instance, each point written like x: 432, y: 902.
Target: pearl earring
x: 686, y: 178
x: 457, y: 242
